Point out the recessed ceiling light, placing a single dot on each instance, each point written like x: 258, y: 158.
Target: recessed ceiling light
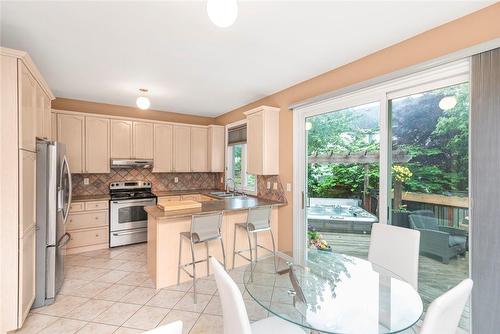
x: 222, y: 13
x: 143, y: 101
x: 448, y: 102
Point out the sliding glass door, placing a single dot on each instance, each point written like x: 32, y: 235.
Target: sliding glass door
x: 430, y: 183
x: 396, y: 153
x: 343, y: 150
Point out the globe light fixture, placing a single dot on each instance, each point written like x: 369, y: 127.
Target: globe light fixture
x: 309, y: 126
x: 222, y: 13
x: 448, y: 102
x: 143, y: 101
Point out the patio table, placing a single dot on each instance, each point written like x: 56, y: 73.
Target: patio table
x: 334, y: 293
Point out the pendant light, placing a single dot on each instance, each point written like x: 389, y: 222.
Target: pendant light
x: 222, y: 13
x: 448, y: 102
x: 143, y: 101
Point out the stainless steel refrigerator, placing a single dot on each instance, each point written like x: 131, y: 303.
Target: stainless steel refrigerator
x: 53, y: 199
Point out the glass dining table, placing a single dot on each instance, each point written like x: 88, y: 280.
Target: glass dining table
x: 334, y: 293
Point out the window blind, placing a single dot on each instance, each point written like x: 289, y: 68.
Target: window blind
x: 237, y: 135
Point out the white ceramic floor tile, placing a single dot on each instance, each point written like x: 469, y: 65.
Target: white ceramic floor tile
x: 115, y: 292
x: 188, y: 319
x: 62, y: 306
x: 34, y: 323
x: 112, y: 277
x: 214, y: 307
x: 72, y: 286
x: 205, y: 286
x: 139, y: 295
x: 187, y: 302
x: 181, y: 287
x: 208, y: 324
x: 125, y: 330
x: 117, y: 314
x: 166, y: 298
x: 91, y: 289
x: 134, y: 278
x: 94, y: 328
x: 146, y: 318
x: 90, y: 310
x: 63, y: 326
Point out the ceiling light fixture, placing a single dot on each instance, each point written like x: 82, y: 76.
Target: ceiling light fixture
x: 309, y: 126
x: 222, y: 13
x: 143, y: 101
x: 448, y: 102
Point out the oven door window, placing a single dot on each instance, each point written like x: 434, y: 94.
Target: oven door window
x: 132, y: 214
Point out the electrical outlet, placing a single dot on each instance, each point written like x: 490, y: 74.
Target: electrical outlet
x: 176, y: 179
x: 86, y: 181
x: 275, y: 185
x: 288, y: 187
x: 268, y: 185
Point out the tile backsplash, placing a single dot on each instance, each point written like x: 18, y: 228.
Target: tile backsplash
x: 99, y: 183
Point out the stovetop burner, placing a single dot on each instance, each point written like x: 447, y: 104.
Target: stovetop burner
x: 130, y: 190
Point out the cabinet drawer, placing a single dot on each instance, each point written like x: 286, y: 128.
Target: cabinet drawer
x: 170, y: 198
x: 96, y: 205
x: 87, y: 219
x: 192, y: 197
x: 88, y: 237
x: 75, y: 207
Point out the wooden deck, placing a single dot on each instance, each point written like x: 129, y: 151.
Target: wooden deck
x: 434, y: 277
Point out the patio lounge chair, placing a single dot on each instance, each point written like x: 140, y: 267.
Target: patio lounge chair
x: 438, y: 241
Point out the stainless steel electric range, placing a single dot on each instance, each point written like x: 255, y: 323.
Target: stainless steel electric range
x: 127, y: 218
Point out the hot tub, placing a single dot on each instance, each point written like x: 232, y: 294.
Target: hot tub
x: 339, y: 215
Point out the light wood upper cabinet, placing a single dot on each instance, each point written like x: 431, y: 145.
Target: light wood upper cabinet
x: 143, y: 138
x: 263, y: 141
x: 70, y: 132
x: 27, y: 108
x: 199, y: 149
x: 121, y: 139
x: 97, y: 138
x: 47, y: 117
x: 163, y: 148
x: 182, y: 148
x: 53, y: 126
x: 216, y: 148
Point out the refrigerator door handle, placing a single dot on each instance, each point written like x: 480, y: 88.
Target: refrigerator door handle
x: 64, y: 240
x: 65, y: 206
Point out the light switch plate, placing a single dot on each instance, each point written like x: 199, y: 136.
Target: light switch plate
x: 86, y: 181
x: 288, y: 187
x: 275, y: 185
x: 268, y: 185
x: 176, y: 179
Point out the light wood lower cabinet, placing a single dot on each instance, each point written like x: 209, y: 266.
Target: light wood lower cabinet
x: 88, y: 226
x: 27, y: 191
x: 27, y: 263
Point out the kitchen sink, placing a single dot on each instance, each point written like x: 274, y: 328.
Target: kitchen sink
x: 224, y: 194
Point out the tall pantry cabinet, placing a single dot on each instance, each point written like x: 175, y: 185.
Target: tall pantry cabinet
x: 25, y: 115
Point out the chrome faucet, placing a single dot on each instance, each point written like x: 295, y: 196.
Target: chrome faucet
x: 227, y: 186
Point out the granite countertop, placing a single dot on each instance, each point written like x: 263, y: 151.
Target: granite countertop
x: 224, y: 205
x: 184, y: 192
x: 86, y: 198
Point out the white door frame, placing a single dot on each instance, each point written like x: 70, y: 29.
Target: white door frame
x: 442, y: 76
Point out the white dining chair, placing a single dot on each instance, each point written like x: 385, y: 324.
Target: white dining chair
x: 171, y: 328
x: 396, y: 249
x: 234, y: 313
x: 445, y: 311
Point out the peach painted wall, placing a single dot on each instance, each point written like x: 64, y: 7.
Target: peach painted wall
x: 123, y: 111
x: 470, y: 30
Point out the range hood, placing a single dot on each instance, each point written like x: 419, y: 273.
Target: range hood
x: 131, y: 163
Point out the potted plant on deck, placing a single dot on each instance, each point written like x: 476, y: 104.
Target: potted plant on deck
x: 316, y: 240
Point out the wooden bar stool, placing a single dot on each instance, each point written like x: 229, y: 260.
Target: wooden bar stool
x: 204, y: 228
x: 258, y: 220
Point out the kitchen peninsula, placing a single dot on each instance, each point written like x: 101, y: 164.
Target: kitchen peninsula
x: 164, y: 229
